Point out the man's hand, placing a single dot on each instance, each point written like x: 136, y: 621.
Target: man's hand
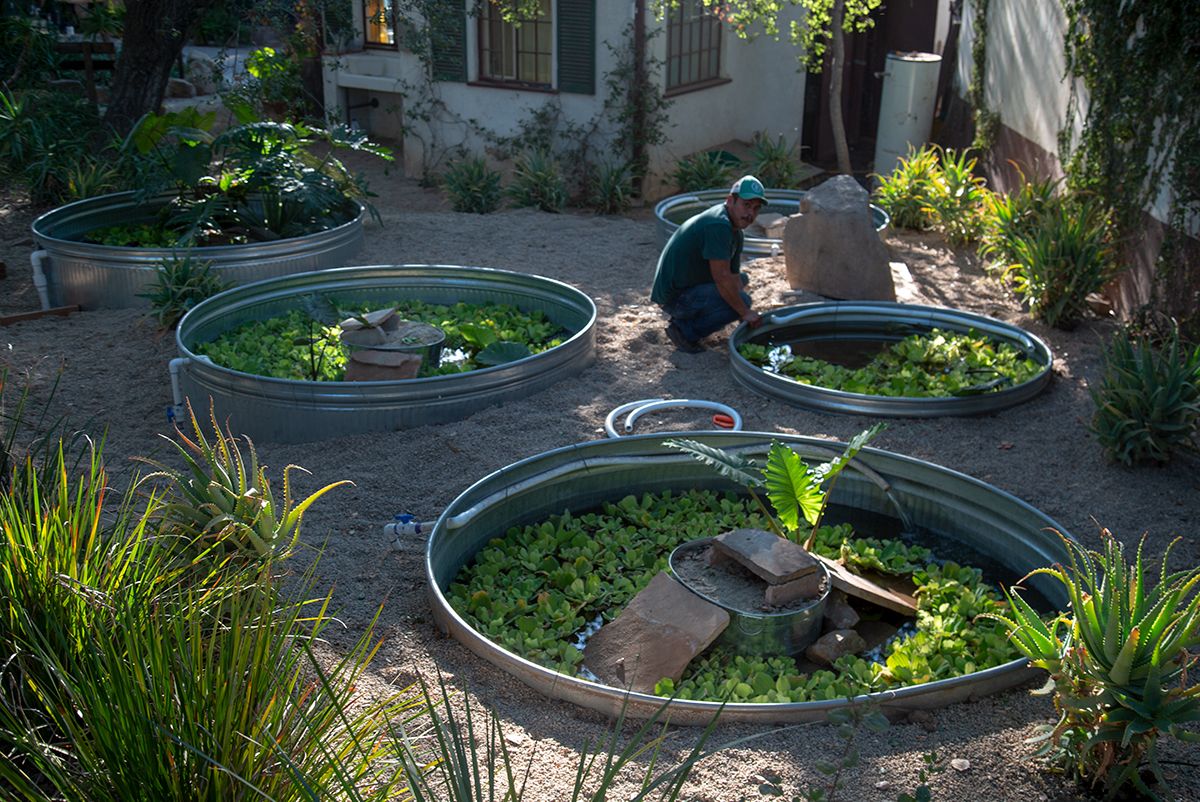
x: 752, y: 319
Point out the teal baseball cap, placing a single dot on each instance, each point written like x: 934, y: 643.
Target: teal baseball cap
x: 748, y: 188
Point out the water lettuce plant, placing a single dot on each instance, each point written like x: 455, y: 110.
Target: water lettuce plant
x: 938, y: 364
x: 303, y: 343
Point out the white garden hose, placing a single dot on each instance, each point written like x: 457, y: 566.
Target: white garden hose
x: 636, y: 409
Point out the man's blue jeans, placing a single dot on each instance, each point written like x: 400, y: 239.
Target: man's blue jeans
x: 700, y: 310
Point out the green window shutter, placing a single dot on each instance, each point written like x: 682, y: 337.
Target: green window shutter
x: 448, y: 40
x: 577, y: 46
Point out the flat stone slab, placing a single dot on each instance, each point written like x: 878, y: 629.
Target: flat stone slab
x: 766, y: 555
x: 657, y: 634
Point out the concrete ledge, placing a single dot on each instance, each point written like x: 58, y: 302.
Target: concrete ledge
x: 374, y: 83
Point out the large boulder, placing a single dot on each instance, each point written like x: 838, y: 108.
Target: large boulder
x: 831, y: 247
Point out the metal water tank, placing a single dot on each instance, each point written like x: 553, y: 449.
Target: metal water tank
x: 906, y: 109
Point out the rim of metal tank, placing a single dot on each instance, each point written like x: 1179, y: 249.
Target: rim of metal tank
x: 400, y: 403
x: 45, y: 227
x: 867, y: 317
x: 525, y: 484
x: 756, y: 246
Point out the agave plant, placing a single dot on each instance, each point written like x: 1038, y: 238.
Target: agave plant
x: 794, y: 489
x: 1118, y: 662
x: 229, y: 503
x: 1149, y: 402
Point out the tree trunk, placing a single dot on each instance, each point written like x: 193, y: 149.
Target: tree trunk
x: 835, y: 87
x: 155, y: 31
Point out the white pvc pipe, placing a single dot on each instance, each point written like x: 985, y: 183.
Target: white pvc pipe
x: 176, y: 394
x: 403, y: 526
x: 39, y: 276
x: 671, y: 403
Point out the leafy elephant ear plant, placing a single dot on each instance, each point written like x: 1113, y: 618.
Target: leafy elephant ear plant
x: 1118, y: 663
x: 794, y: 490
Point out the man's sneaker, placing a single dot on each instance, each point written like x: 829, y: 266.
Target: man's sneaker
x: 682, y: 343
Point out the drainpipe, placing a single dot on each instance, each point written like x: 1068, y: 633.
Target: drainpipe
x: 39, y: 276
x: 637, y: 97
x: 175, y: 411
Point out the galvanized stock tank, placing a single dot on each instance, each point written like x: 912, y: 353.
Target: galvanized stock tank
x: 967, y: 513
x: 846, y: 321
x: 112, y: 277
x: 676, y: 210
x: 289, y: 411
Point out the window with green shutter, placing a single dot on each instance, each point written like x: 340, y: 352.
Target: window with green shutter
x: 577, y: 46
x: 448, y: 39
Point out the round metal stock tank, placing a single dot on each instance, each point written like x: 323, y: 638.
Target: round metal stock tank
x: 965, y: 510
x: 845, y: 321
x: 289, y: 411
x: 112, y: 277
x: 674, y: 211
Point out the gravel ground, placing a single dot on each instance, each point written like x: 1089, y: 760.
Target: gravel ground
x: 108, y: 372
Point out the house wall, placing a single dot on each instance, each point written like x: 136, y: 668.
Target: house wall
x: 766, y: 93
x: 1026, y: 85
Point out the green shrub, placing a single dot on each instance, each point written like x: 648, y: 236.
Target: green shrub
x: 610, y: 188
x: 538, y: 181
x: 704, y: 171
x: 1067, y: 256
x: 1008, y: 217
x: 1118, y: 663
x: 1148, y: 404
x: 909, y: 194
x: 958, y: 198
x: 472, y: 186
x: 180, y: 284
x: 45, y: 142
x: 774, y: 162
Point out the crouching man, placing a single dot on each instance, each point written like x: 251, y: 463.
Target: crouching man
x: 698, y: 282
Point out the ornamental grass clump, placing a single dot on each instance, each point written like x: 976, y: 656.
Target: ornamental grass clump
x: 704, y: 171
x: 1148, y: 404
x: 909, y: 193
x: 538, y: 181
x: 1118, y: 661
x: 473, y: 187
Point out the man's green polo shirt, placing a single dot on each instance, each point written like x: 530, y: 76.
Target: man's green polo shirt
x: 684, y: 262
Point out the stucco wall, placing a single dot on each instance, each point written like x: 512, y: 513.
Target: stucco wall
x: 766, y: 93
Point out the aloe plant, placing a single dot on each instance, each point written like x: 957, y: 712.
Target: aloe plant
x: 1118, y: 661
x: 221, y: 498
x: 794, y: 489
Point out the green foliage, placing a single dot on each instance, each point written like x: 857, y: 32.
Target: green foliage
x: 703, y: 171
x: 303, y: 345
x: 1067, y: 257
x: 610, y: 188
x: 939, y: 364
x: 538, y: 181
x: 472, y: 186
x: 774, y: 162
x: 180, y: 284
x: 534, y: 589
x: 932, y: 188
x: 958, y: 202
x: 909, y: 194
x: 257, y: 181
x: 987, y: 122
x: 1014, y: 216
x: 1148, y: 404
x: 1118, y: 662
x: 138, y: 667
x: 276, y: 86
x: 45, y: 143
x: 27, y: 56
x: 227, y: 506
